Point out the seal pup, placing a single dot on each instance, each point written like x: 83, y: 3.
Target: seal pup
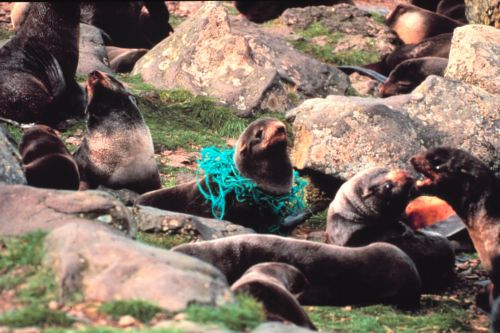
x: 413, y: 24
x: 471, y: 189
x: 277, y: 286
x: 117, y: 150
x: 377, y: 273
x: 262, y: 11
x: 122, y: 60
x: 260, y: 155
x: 47, y: 162
x: 436, y: 46
x: 410, y: 73
x: 368, y: 208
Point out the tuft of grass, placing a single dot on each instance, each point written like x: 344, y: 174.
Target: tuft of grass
x: 35, y: 315
x: 139, y: 309
x: 15, y: 132
x: 175, y: 20
x: 441, y: 317
x: 242, y: 315
x: 377, y: 17
x: 161, y: 240
x: 317, y: 221
x: 26, y: 250
x: 6, y: 34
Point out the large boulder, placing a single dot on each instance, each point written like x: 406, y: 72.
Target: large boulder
x: 475, y: 57
x: 10, y: 161
x: 235, y: 61
x: 341, y: 136
x: 104, y: 265
x: 25, y: 209
x: 353, y: 27
x: 151, y: 219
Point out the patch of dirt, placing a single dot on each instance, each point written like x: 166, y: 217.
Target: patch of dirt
x: 5, y: 8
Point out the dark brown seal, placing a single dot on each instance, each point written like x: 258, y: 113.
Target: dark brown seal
x: 261, y: 155
x: 277, y: 286
x: 377, y: 273
x: 413, y: 24
x: 122, y: 60
x: 436, y: 46
x: 471, y: 189
x: 31, y: 87
x: 369, y: 207
x: 410, y: 73
x: 46, y: 160
x: 117, y: 150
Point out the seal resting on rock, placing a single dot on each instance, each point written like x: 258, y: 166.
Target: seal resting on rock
x: 472, y: 190
x: 117, y: 150
x: 410, y: 73
x: 367, y: 209
x: 413, y: 24
x: 377, y: 273
x: 277, y: 286
x: 47, y: 162
x: 260, y: 156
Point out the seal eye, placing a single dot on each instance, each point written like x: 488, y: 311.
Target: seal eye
x: 388, y: 186
x: 259, y: 133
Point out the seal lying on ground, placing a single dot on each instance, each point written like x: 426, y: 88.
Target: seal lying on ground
x: 437, y: 46
x: 46, y: 160
x: 377, y: 273
x: 410, y: 73
x: 473, y: 191
x: 260, y: 155
x: 276, y: 286
x: 117, y: 150
x: 412, y: 24
x: 367, y: 209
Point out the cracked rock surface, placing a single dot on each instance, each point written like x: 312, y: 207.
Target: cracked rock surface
x: 10, y: 162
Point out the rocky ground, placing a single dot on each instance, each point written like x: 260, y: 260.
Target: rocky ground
x: 72, y: 277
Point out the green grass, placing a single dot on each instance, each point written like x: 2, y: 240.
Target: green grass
x: 161, y: 240
x: 6, y: 34
x: 140, y: 310
x: 377, y: 17
x: 104, y: 329
x: 244, y: 314
x: 15, y: 132
x: 317, y: 221
x: 436, y: 317
x: 35, y: 315
x: 168, y: 174
x: 175, y: 20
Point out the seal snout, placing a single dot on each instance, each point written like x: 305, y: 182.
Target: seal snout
x: 275, y: 132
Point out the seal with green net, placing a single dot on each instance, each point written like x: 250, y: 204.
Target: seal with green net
x: 222, y: 179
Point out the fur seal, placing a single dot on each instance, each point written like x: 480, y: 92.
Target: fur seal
x: 454, y: 9
x: 262, y: 11
x: 410, y: 73
x: 368, y: 208
x: 471, y: 189
x: 122, y: 60
x: 31, y: 86
x: 277, y: 286
x: 377, y: 273
x: 47, y: 162
x: 130, y: 24
x: 117, y: 150
x: 436, y: 46
x: 413, y: 24
x: 261, y: 155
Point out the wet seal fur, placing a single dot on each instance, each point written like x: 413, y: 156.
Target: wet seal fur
x: 117, y: 150
x: 410, y: 73
x: 276, y: 286
x: 47, y: 162
x: 473, y: 191
x: 38, y: 65
x: 413, y: 24
x: 368, y: 208
x: 377, y: 273
x: 261, y: 155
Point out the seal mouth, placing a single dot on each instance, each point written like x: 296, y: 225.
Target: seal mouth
x: 275, y: 134
x: 428, y: 177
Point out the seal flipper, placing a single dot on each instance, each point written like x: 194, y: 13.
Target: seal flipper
x: 36, y: 57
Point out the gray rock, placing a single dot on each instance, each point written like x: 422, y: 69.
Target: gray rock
x: 26, y: 208
x: 341, y: 136
x: 92, y: 54
x: 189, y: 326
x: 475, y: 57
x: 275, y: 327
x: 104, y: 265
x: 355, y: 28
x: 457, y: 114
x: 10, y: 161
x: 150, y: 219
x: 235, y: 61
